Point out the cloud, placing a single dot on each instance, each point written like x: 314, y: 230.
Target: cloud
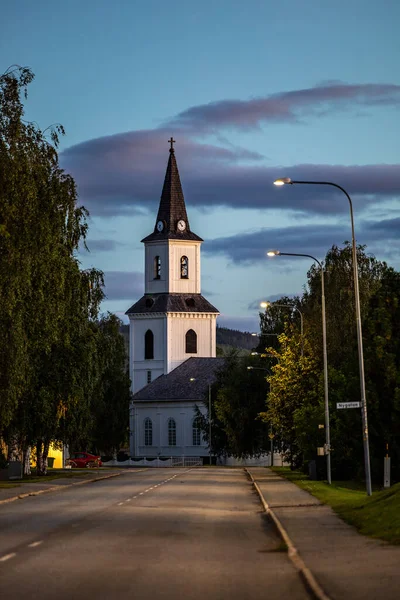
x: 290, y: 106
x: 313, y: 239
x: 123, y: 285
x: 124, y: 174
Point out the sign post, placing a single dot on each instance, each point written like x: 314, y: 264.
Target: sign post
x: 348, y: 404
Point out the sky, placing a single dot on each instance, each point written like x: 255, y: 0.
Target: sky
x: 251, y: 91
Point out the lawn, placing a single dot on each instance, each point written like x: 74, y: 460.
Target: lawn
x: 61, y: 474
x: 377, y: 516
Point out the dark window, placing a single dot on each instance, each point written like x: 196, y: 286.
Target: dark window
x: 149, y: 302
x: 171, y: 432
x: 157, y: 267
x: 196, y: 432
x: 148, y: 344
x: 184, y: 267
x: 148, y: 432
x: 191, y: 342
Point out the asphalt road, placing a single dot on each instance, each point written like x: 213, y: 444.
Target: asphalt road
x: 157, y: 533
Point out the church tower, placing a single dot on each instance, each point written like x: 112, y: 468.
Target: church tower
x: 172, y: 322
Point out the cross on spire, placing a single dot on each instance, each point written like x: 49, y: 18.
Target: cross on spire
x: 172, y: 142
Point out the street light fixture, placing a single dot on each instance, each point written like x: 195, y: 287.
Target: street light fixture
x: 268, y: 304
x: 364, y: 414
x: 325, y: 355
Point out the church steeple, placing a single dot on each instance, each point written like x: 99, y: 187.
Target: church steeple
x: 172, y: 221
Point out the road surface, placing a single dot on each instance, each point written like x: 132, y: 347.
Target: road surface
x: 195, y: 533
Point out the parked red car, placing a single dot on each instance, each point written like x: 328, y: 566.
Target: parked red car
x: 82, y: 460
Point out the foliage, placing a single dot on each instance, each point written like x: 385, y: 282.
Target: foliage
x: 237, y: 399
x: 111, y: 403
x: 296, y: 402
x: 55, y: 376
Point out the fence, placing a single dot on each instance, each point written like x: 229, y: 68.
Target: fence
x: 173, y: 461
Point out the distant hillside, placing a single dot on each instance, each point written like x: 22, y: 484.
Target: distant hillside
x: 225, y: 337
x: 235, y: 338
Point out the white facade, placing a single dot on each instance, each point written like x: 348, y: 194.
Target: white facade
x: 160, y: 414
x: 170, y: 280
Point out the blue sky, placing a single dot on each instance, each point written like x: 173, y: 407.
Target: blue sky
x: 251, y: 91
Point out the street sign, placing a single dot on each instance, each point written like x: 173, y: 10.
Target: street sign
x: 271, y: 436
x: 348, y: 404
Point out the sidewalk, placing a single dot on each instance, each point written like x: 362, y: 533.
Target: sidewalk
x: 346, y: 564
x: 25, y: 489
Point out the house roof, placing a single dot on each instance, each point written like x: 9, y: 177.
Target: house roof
x: 176, y: 386
x: 170, y: 303
x: 172, y: 207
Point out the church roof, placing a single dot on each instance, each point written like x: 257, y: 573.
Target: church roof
x: 177, y: 385
x: 172, y: 207
x: 171, y: 303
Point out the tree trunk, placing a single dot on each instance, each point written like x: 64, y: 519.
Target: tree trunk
x: 13, y: 451
x: 46, y: 446
x: 27, y: 461
x: 40, y: 463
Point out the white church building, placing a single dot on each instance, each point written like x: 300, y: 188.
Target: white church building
x: 172, y: 335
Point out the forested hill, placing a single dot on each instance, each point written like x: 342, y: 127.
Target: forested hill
x: 235, y: 338
x: 225, y: 337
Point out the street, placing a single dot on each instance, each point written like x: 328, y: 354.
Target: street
x: 155, y: 533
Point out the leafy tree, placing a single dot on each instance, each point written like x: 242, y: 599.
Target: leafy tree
x: 240, y: 397
x: 46, y: 302
x: 110, y: 404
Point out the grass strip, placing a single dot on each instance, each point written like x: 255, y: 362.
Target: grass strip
x: 377, y: 516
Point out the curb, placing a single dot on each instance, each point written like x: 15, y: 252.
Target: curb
x: 306, y: 575
x: 58, y: 487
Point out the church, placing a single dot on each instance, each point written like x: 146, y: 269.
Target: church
x: 172, y: 335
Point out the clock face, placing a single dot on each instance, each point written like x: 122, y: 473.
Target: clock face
x: 160, y: 226
x: 181, y: 225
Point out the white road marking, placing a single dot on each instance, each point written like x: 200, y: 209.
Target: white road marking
x: 34, y: 544
x: 141, y: 494
x: 7, y: 557
x: 134, y: 497
x: 129, y: 499
x: 120, y: 503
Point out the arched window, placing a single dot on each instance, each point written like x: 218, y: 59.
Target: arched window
x: 148, y: 344
x: 184, y: 267
x: 191, y: 342
x: 157, y: 267
x: 196, y: 432
x: 148, y: 432
x: 171, y: 432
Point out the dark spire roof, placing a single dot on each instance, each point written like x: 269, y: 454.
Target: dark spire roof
x: 172, y: 207
x: 172, y: 303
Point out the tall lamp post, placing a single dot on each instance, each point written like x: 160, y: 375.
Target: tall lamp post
x: 364, y: 414
x: 324, y: 346
x: 268, y: 304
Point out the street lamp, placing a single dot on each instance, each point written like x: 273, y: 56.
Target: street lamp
x: 268, y: 304
x: 325, y: 354
x: 209, y: 417
x: 364, y: 414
